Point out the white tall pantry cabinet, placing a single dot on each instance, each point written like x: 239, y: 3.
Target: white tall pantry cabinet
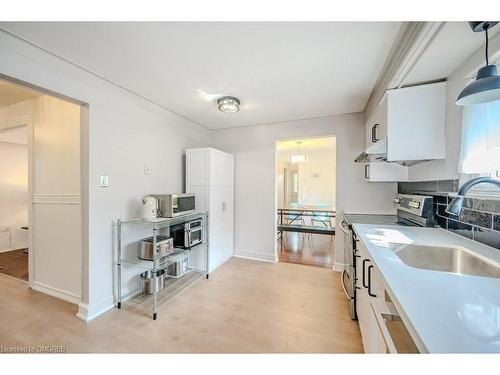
x: 210, y: 176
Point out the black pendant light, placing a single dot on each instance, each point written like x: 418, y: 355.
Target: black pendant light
x: 486, y: 87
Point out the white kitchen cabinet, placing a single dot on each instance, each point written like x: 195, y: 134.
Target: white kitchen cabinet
x: 210, y: 176
x: 408, y: 125
x: 380, y: 171
x: 371, y: 288
x: 376, y: 127
x: 378, y: 336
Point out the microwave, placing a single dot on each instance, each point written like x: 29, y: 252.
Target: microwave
x: 187, y: 235
x: 173, y: 205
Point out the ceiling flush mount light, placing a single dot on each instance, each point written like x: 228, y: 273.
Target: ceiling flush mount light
x: 298, y: 158
x: 486, y: 87
x: 228, y: 104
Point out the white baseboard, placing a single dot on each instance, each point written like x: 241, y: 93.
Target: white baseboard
x: 86, y: 315
x: 57, y: 293
x: 255, y: 256
x: 20, y: 247
x: 339, y: 267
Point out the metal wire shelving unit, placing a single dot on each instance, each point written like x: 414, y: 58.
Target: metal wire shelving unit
x: 173, y: 286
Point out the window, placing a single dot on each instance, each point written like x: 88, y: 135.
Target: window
x: 480, y: 149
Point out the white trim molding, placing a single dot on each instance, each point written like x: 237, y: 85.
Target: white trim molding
x: 16, y: 122
x: 56, y: 292
x: 255, y: 256
x: 338, y: 267
x: 85, y: 314
x: 413, y: 40
x: 56, y: 198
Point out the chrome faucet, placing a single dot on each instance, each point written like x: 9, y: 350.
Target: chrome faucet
x: 455, y: 205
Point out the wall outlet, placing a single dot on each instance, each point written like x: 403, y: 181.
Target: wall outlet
x: 147, y: 169
x: 104, y: 181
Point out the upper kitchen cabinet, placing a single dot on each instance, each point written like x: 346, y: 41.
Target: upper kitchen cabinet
x: 408, y: 125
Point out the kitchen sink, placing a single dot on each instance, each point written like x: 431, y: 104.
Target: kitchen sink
x: 446, y: 259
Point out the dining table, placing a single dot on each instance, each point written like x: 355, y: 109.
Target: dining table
x: 322, y: 214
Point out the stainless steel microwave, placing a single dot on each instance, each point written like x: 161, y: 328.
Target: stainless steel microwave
x: 172, y: 205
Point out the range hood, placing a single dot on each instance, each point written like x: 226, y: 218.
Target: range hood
x: 378, y: 152
x: 378, y: 148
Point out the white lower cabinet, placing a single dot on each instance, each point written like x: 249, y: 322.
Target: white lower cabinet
x: 382, y: 331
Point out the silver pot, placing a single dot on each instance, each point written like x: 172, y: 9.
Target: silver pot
x: 164, y: 246
x: 149, y: 283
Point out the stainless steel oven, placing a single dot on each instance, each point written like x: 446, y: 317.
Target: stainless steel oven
x: 187, y: 235
x: 348, y: 278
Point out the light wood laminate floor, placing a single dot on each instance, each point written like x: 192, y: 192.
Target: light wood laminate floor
x: 245, y: 307
x: 14, y: 263
x: 310, y: 249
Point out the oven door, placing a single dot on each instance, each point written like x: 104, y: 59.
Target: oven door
x: 195, y: 232
x: 195, y: 237
x: 349, y: 273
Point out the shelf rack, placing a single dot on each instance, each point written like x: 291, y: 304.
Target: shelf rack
x: 173, y: 286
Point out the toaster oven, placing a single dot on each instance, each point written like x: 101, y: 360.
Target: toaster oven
x: 188, y: 234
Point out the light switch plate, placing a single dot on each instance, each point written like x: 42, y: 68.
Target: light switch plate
x: 147, y: 169
x: 104, y: 181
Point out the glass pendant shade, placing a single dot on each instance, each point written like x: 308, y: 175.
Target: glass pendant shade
x: 298, y: 158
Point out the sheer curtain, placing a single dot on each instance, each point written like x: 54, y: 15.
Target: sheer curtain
x: 480, y: 151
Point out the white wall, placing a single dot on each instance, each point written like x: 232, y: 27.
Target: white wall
x: 448, y: 168
x: 13, y: 194
x: 254, y: 150
x: 124, y: 133
x: 316, y: 176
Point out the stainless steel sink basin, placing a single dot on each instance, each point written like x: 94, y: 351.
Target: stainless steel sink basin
x: 446, y: 259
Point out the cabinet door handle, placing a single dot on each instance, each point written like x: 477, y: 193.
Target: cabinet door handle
x: 366, y: 170
x: 364, y: 278
x: 374, y: 133
x: 224, y: 205
x: 370, y: 282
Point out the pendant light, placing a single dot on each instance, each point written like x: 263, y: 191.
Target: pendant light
x: 298, y: 158
x: 486, y: 87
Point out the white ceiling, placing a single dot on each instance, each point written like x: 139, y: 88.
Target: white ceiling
x: 11, y: 94
x: 453, y: 45
x: 280, y: 71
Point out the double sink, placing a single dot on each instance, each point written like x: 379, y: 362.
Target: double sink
x: 446, y: 259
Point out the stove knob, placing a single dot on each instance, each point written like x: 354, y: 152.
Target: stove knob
x: 414, y: 204
x: 396, y: 201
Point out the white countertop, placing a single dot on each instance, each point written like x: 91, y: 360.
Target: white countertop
x: 448, y: 312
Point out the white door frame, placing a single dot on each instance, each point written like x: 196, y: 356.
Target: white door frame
x: 84, y: 178
x: 276, y: 141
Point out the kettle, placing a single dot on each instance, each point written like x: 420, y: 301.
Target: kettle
x: 149, y: 209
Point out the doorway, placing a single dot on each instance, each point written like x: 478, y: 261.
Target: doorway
x: 305, y: 200
x: 40, y: 208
